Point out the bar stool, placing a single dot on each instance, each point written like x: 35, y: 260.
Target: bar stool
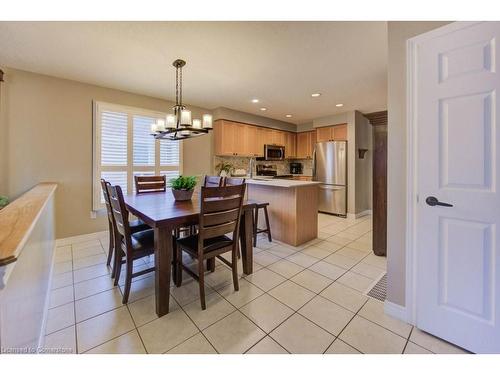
x: 256, y: 229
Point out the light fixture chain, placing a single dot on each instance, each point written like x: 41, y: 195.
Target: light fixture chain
x: 180, y: 85
x: 177, y: 86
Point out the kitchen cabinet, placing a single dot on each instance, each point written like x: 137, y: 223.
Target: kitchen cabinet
x: 290, y: 145
x: 267, y: 137
x: 230, y: 139
x: 238, y: 139
x: 253, y: 143
x: 340, y: 132
x: 278, y: 137
x: 332, y: 133
x: 305, y: 144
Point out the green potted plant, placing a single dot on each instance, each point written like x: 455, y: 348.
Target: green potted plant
x: 224, y: 168
x: 4, y: 201
x: 183, y: 187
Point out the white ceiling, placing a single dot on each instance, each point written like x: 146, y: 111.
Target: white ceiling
x: 228, y: 63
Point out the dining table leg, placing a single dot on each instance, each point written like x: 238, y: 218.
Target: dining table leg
x: 163, y: 267
x: 246, y: 243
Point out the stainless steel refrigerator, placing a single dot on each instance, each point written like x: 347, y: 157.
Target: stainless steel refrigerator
x: 330, y: 168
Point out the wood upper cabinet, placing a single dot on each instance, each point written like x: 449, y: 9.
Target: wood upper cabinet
x: 290, y: 145
x: 224, y: 135
x: 278, y: 138
x: 340, y: 132
x: 332, y: 133
x: 254, y: 145
x: 238, y: 139
x: 305, y: 144
x: 324, y: 134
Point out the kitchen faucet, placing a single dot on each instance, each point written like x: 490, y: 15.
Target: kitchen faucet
x: 251, y: 166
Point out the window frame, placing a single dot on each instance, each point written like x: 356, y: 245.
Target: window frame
x: 97, y: 168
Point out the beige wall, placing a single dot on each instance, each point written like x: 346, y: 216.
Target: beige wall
x: 364, y: 167
x: 398, y: 33
x: 49, y: 131
x: 3, y: 143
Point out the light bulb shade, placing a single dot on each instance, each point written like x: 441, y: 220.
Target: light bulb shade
x: 186, y: 117
x: 160, y: 125
x: 153, y: 127
x: 197, y: 123
x: 207, y: 121
x: 170, y: 122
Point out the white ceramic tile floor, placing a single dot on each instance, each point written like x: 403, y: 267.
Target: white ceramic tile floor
x: 305, y: 299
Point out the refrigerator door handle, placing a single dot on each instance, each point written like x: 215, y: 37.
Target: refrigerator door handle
x: 314, y: 164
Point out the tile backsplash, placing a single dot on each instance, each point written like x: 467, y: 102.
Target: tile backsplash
x: 243, y: 162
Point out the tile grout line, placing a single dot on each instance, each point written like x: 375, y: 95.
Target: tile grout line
x: 264, y: 292
x: 342, y: 330
x: 74, y: 302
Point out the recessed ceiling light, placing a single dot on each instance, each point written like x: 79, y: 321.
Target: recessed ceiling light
x: 255, y: 100
x: 263, y: 109
x: 339, y: 105
x: 288, y: 116
x: 316, y: 94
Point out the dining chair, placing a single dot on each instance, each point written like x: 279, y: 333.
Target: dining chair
x: 135, y: 226
x: 220, y: 214
x: 213, y: 181
x: 131, y: 246
x: 231, y: 181
x: 150, y: 184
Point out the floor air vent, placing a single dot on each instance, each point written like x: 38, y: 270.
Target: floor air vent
x: 379, y: 290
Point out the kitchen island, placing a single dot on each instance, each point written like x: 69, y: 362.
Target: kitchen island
x: 293, y: 208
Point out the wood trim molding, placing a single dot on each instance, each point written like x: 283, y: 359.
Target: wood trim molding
x: 18, y: 218
x: 377, y: 118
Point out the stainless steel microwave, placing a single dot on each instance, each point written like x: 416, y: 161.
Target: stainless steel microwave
x: 274, y: 152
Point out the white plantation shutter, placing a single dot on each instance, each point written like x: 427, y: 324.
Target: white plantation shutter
x: 113, y: 139
x: 144, y: 143
x: 169, y: 153
x: 124, y: 148
x: 169, y: 175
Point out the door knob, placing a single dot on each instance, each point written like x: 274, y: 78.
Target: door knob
x: 433, y: 201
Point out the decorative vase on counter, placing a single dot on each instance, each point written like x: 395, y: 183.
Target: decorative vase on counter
x: 182, y: 194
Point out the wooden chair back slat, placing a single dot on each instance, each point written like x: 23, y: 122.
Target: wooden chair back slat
x: 150, y: 184
x: 120, y: 212
x: 221, y: 217
x: 224, y: 192
x: 213, y: 181
x: 231, y: 181
x: 109, y: 210
x: 219, y: 230
x: 217, y: 205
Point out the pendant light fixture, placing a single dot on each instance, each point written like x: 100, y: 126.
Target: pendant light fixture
x: 180, y: 125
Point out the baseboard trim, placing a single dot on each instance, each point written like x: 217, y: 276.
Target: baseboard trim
x: 363, y: 213
x: 41, y: 338
x: 360, y: 214
x: 80, y: 238
x: 396, y: 311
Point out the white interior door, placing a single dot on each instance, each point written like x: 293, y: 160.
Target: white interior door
x: 458, y: 139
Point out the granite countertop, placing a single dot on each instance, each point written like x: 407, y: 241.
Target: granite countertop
x: 286, y: 183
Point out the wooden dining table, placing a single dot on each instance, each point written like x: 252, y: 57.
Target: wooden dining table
x: 162, y: 213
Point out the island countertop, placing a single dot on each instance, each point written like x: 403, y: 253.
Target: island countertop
x: 284, y: 183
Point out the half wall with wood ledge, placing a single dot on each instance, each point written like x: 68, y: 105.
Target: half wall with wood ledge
x: 27, y: 241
